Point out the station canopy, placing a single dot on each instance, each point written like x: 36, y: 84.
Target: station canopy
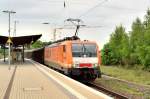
x: 20, y: 40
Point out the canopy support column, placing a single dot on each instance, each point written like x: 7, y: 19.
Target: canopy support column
x: 23, y: 53
x: 4, y: 53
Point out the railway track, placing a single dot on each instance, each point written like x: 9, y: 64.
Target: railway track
x: 107, y: 91
x: 125, y: 81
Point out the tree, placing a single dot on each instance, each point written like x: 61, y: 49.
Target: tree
x: 125, y: 49
x: 39, y: 44
x: 119, y: 42
x: 144, y: 49
x: 106, y: 55
x: 132, y: 49
x: 117, y: 48
x: 136, y: 40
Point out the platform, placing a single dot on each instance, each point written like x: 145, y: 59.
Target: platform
x: 31, y: 80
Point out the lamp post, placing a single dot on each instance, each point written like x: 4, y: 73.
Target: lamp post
x: 9, y: 13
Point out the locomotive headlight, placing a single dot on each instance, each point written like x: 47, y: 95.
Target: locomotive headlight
x: 95, y: 65
x: 75, y: 65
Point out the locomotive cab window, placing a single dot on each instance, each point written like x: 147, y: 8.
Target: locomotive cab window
x: 84, y: 50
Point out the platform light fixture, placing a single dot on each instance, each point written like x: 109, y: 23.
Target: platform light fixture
x: 9, y: 13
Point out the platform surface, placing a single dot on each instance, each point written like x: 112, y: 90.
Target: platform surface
x: 31, y: 80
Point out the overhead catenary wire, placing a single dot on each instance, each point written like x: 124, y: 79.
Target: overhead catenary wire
x: 66, y: 7
x: 91, y: 9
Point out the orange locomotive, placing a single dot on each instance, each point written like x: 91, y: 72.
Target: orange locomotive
x: 76, y: 58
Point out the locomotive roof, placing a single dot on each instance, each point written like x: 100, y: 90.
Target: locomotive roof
x: 73, y: 39
x: 31, y: 50
x: 65, y: 39
x: 69, y: 39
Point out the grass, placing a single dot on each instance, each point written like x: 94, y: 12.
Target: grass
x: 119, y: 87
x: 1, y: 56
x: 133, y: 75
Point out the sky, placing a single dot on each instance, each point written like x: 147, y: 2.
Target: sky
x: 102, y: 16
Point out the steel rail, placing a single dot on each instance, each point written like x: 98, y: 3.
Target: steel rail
x: 115, y: 95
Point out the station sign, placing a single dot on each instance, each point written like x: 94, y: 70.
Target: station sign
x: 9, y: 40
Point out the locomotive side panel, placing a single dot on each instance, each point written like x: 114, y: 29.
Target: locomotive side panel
x: 58, y: 56
x: 67, y: 55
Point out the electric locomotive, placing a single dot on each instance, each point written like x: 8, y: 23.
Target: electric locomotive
x: 75, y: 58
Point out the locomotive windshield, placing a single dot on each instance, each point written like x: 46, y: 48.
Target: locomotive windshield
x: 84, y: 50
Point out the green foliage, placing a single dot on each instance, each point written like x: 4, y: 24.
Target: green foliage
x: 136, y: 40
x: 144, y: 56
x: 39, y: 44
x: 132, y: 49
x: 2, y: 52
x: 118, y: 48
x: 106, y: 55
x: 144, y: 49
